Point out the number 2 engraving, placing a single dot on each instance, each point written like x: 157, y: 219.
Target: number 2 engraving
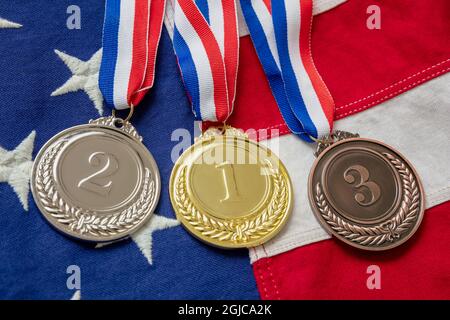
x: 231, y: 190
x: 108, y: 166
x: 360, y: 198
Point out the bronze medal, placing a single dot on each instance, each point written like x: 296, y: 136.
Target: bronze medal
x: 365, y: 193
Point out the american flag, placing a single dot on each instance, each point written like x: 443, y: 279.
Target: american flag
x: 388, y: 84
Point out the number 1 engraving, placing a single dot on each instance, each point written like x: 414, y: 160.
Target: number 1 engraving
x: 375, y: 191
x: 108, y: 166
x: 231, y: 190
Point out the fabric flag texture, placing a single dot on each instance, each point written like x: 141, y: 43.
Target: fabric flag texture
x: 388, y: 84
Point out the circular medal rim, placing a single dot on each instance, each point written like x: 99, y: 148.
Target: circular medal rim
x: 217, y: 243
x: 327, y: 227
x: 88, y: 238
x: 391, y: 211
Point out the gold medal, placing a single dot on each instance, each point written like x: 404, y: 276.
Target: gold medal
x: 364, y: 192
x: 229, y: 191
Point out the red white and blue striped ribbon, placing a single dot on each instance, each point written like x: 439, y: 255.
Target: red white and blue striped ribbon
x: 206, y: 43
x: 281, y: 34
x: 131, y: 33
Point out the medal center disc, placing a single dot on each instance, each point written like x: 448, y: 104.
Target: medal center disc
x: 98, y: 172
x: 361, y: 184
x: 228, y: 180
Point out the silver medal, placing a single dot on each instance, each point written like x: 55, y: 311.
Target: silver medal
x: 96, y: 182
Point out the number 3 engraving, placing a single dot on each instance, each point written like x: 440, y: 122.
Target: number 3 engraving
x: 108, y: 166
x: 375, y: 191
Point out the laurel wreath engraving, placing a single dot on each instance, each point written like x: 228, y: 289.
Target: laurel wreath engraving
x: 388, y: 231
x: 235, y: 230
x: 84, y: 221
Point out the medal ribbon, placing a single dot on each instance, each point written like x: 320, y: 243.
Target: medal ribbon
x: 206, y: 43
x: 131, y: 33
x: 281, y: 34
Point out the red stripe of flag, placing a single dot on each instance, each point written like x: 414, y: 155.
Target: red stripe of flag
x: 156, y: 21
x: 268, y: 5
